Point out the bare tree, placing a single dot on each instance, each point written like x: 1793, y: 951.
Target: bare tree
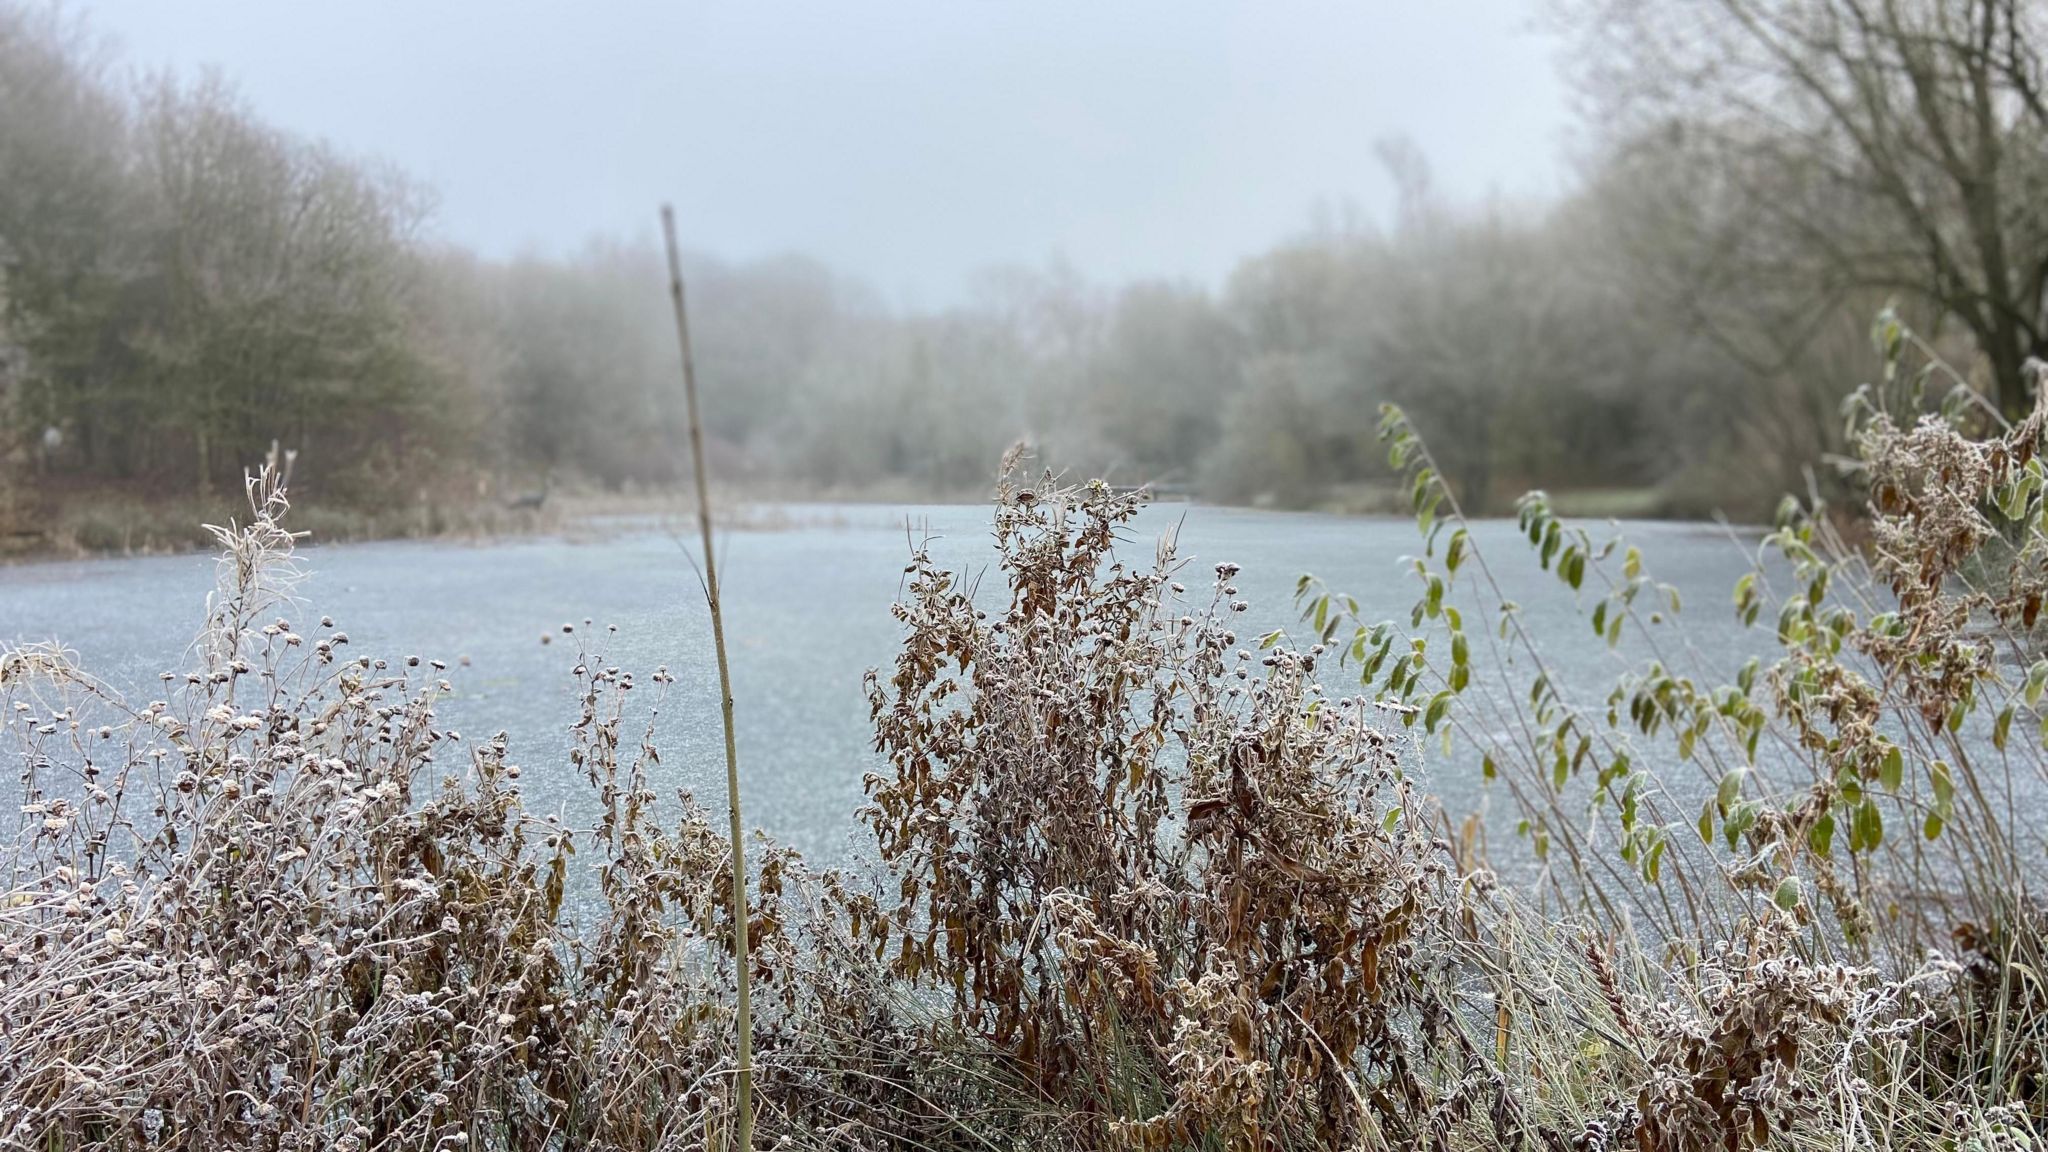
x: 1799, y: 152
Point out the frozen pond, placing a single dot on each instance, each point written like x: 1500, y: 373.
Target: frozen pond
x: 808, y: 613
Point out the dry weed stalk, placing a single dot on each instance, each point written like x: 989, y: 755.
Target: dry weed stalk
x: 736, y: 840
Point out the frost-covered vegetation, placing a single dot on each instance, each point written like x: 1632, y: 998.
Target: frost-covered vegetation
x: 1138, y: 880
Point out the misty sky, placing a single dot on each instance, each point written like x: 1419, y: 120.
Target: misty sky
x: 909, y: 143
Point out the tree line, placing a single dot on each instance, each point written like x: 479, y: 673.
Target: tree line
x: 182, y: 284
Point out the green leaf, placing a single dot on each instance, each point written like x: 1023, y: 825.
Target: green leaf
x: 1730, y: 790
x: 1787, y: 895
x: 1866, y: 832
x: 1487, y: 768
x: 1821, y: 837
x: 1439, y: 705
x: 1740, y: 820
x: 2013, y: 502
x: 1420, y: 489
x: 2001, y: 727
x: 1747, y: 602
x: 1891, y: 771
x: 1887, y: 335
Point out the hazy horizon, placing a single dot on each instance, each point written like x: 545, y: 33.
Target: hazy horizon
x: 910, y: 146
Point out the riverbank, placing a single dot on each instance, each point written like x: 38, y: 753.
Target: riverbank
x: 131, y: 524
x: 81, y: 524
x: 104, y: 523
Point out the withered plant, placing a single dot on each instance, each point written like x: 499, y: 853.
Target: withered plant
x: 1174, y: 881
x: 285, y: 907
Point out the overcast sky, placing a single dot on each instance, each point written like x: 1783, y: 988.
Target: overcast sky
x: 909, y: 143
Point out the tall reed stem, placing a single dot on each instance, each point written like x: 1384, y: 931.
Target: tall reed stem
x: 732, y: 760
